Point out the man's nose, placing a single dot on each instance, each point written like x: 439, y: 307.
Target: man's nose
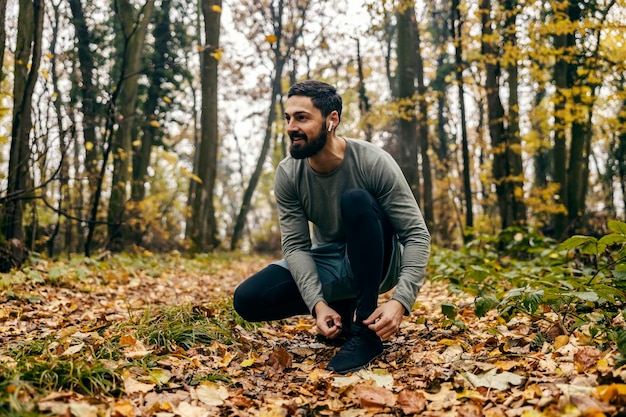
x: 292, y: 126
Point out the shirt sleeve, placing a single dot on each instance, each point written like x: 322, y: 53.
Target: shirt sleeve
x: 296, y: 239
x: 398, y: 202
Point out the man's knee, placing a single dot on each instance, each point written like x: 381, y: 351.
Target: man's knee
x: 243, y: 302
x: 356, y: 202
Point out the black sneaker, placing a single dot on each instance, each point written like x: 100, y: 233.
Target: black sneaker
x: 360, y: 350
x: 338, y: 341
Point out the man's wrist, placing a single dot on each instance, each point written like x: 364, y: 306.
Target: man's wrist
x: 400, y: 305
x: 319, y: 304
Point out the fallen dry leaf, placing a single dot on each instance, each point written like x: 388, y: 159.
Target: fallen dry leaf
x: 411, y: 402
x: 493, y: 379
x: 132, y: 386
x: 83, y: 409
x: 123, y: 409
x: 445, y: 398
x: 185, y: 409
x: 73, y: 349
x: 470, y: 409
x: 279, y: 359
x: 211, y: 393
x: 374, y: 397
x: 586, y: 357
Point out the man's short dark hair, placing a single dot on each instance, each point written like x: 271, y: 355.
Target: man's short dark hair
x: 324, y: 96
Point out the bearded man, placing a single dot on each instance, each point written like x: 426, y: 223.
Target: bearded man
x: 367, y: 235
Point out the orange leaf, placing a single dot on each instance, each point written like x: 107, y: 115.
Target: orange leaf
x: 123, y: 409
x: 279, y: 359
x: 375, y: 397
x: 586, y: 357
x: 610, y: 393
x: 411, y: 402
x: 127, y: 340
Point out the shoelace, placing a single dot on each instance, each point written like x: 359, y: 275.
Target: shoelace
x: 353, y: 342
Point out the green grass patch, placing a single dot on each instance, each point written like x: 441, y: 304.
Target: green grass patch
x: 94, y: 363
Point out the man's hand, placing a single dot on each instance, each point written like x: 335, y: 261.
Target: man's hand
x: 386, y: 319
x: 327, y: 320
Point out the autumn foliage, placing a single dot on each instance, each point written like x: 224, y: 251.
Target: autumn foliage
x: 532, y: 329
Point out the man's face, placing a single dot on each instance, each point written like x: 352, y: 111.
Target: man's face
x: 306, y: 127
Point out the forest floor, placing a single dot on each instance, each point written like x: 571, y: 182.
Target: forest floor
x: 64, y: 315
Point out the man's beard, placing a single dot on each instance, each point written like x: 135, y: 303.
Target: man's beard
x: 309, y: 147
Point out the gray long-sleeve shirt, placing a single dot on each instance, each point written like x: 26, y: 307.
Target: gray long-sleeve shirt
x: 304, y: 196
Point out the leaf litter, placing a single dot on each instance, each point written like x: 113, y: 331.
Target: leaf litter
x: 490, y: 368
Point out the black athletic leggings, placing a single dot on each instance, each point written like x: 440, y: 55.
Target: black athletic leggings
x: 272, y: 294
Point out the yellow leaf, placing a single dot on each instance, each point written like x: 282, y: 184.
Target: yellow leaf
x: 216, y: 8
x: 172, y: 158
x: 199, y: 48
x: 303, y: 325
x: 124, y: 409
x: 167, y: 100
x: 49, y: 55
x: 217, y: 54
x: 127, y: 340
x: 226, y: 359
x: 611, y: 393
x: 561, y: 341
x: 247, y: 363
x: 271, y: 38
x: 603, y: 365
x: 88, y: 146
x: 190, y: 175
x: 154, y: 123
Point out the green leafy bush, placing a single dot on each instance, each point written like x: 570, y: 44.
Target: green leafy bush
x: 579, y: 284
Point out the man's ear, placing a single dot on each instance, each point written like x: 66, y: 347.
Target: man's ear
x: 334, y: 120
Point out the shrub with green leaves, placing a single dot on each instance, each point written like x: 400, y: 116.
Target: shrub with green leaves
x: 582, y: 280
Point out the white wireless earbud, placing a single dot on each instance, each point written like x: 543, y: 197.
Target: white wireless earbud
x: 330, y: 126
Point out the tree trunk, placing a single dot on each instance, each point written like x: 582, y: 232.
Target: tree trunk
x: 64, y: 202
x: 134, y: 33
x: 27, y: 61
x: 3, y: 35
x: 423, y: 133
x: 562, y: 81
x: 204, y: 233
x: 194, y: 186
x: 407, y: 147
x: 281, y: 54
x: 364, y: 104
x: 501, y: 148
x: 88, y: 93
x: 514, y: 141
x: 457, y: 25
x: 620, y: 149
x: 159, y: 60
